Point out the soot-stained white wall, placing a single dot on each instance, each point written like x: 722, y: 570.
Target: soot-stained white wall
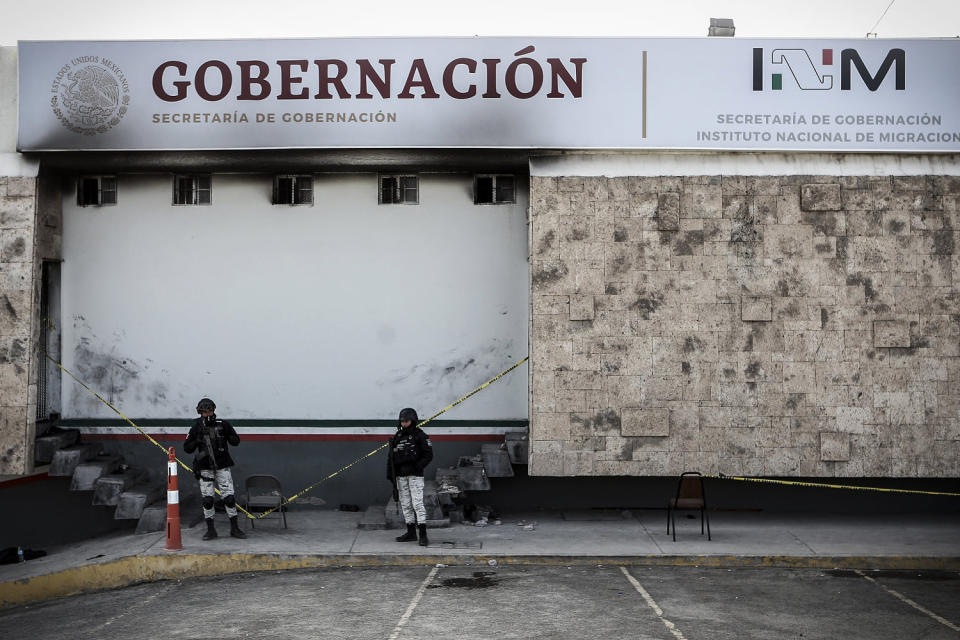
x: 342, y: 310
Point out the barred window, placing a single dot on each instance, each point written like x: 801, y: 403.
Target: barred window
x: 493, y: 189
x: 193, y: 189
x: 293, y: 190
x: 398, y: 189
x: 96, y: 191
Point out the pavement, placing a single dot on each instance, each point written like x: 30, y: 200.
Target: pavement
x: 584, y: 537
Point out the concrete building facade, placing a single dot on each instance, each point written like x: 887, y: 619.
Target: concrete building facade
x: 691, y: 306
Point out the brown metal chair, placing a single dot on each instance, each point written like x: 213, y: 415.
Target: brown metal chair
x: 263, y: 492
x: 690, y: 496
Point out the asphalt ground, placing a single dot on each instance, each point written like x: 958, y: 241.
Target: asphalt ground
x: 494, y: 601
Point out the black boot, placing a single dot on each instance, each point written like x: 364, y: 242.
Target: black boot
x: 211, y: 532
x: 423, y: 535
x: 235, y: 529
x: 410, y: 535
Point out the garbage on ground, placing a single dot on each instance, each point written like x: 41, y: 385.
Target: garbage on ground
x: 480, y: 514
x: 448, y: 488
x: 13, y: 555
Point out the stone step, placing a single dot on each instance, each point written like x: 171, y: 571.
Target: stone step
x: 496, y: 461
x: 86, y: 473
x: 134, y: 500
x: 518, y: 447
x: 154, y: 516
x: 107, y: 488
x: 65, y: 460
x: 394, y: 520
x: 47, y: 445
x: 374, y: 518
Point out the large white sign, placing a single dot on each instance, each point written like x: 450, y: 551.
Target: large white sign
x: 709, y: 93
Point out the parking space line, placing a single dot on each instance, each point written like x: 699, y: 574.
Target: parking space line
x: 672, y: 628
x: 910, y: 602
x: 413, y: 604
x: 132, y: 608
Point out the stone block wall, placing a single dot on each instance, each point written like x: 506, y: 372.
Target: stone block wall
x: 759, y: 325
x: 18, y: 196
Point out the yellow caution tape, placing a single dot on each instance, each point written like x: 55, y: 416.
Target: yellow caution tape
x: 131, y: 422
x: 386, y: 444
x: 825, y: 485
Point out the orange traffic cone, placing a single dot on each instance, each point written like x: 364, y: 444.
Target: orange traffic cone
x: 173, y: 505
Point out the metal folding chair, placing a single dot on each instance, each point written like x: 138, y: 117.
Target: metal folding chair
x: 263, y: 492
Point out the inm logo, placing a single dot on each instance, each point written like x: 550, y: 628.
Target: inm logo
x: 799, y: 65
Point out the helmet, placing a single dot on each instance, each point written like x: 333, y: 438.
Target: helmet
x: 409, y: 414
x: 206, y: 404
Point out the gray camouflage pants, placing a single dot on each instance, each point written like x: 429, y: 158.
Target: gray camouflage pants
x: 224, y: 482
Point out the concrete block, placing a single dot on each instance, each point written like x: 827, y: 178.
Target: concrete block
x: 496, y: 461
x: 154, y: 516
x: 394, y: 518
x: 668, y: 212
x: 49, y: 444
x: 21, y: 187
x: 133, y: 501
x: 66, y: 460
x: 87, y: 473
x: 755, y: 309
x: 518, y: 447
x: 374, y: 518
x: 107, y: 488
x: 701, y: 201
x: 392, y: 515
x: 891, y: 333
x: 581, y: 307
x: 834, y: 447
x: 473, y: 477
x: 645, y: 422
x: 17, y: 213
x: 820, y: 197
x: 448, y: 477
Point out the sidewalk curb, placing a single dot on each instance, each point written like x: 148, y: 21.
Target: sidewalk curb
x: 137, y: 569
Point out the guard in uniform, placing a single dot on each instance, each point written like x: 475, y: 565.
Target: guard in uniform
x: 410, y: 453
x: 209, y: 437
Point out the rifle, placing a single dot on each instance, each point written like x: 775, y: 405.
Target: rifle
x: 393, y: 476
x: 210, y: 452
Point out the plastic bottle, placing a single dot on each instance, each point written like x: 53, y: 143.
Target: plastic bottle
x: 20, y: 557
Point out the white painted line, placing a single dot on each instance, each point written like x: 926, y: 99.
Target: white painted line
x: 672, y: 628
x: 413, y: 604
x: 135, y: 606
x: 910, y: 602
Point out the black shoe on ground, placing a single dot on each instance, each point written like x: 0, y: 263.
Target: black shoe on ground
x: 211, y: 532
x: 423, y: 535
x: 410, y: 535
x: 235, y: 529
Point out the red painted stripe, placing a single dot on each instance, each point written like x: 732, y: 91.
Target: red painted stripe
x: 306, y: 437
x: 25, y: 480
x: 828, y: 56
